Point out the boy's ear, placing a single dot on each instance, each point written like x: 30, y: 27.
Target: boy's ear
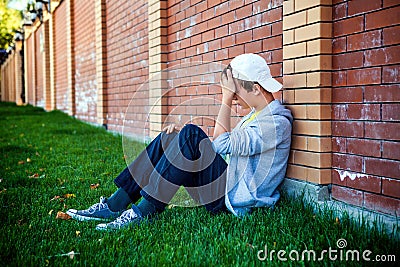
x: 257, y: 89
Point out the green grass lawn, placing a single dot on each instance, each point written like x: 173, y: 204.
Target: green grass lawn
x: 46, y: 155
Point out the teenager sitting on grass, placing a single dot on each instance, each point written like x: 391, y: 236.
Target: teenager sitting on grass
x: 256, y: 150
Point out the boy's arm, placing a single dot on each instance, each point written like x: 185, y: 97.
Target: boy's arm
x: 223, y: 123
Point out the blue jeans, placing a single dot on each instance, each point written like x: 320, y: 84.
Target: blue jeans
x: 173, y: 160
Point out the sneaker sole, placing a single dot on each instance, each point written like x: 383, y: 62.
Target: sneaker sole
x: 103, y: 227
x: 86, y: 218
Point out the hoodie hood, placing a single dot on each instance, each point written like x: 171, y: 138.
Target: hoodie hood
x: 276, y: 108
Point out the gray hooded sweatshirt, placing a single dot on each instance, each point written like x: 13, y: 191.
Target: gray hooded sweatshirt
x: 258, y: 148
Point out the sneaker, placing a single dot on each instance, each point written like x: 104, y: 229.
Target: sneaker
x: 97, y: 212
x: 129, y: 217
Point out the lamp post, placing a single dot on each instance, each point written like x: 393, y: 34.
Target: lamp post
x: 39, y: 8
x: 33, y: 15
x: 18, y: 36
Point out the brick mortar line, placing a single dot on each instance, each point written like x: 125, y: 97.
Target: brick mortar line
x: 365, y: 190
x: 226, y: 47
x: 309, y: 167
x: 366, y: 49
x: 308, y: 8
x: 362, y: 13
x: 308, y: 24
x: 230, y: 10
x: 362, y: 157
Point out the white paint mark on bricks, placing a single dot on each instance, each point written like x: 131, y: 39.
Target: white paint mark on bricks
x: 188, y: 32
x: 193, y: 21
x: 351, y: 175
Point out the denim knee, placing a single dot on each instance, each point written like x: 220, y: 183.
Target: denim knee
x: 191, y: 129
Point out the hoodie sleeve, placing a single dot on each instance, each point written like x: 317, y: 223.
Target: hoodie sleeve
x: 222, y: 144
x: 257, y: 137
x: 252, y: 140
x: 268, y: 131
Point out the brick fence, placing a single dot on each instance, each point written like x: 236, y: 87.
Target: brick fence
x: 133, y: 65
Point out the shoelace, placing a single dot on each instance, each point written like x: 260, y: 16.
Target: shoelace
x: 127, y: 216
x: 98, y: 206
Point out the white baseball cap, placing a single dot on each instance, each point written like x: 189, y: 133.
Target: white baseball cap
x: 252, y: 67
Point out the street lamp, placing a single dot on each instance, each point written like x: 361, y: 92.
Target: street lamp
x: 39, y: 8
x: 47, y: 3
x: 33, y: 15
x: 18, y: 36
x: 26, y: 22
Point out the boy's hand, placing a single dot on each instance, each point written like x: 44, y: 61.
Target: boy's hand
x: 171, y: 128
x: 228, y: 85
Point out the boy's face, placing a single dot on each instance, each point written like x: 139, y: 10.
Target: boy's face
x: 242, y: 97
x: 248, y: 99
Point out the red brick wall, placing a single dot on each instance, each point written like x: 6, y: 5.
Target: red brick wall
x: 127, y: 65
x: 85, y: 60
x: 216, y: 31
x: 7, y: 78
x: 366, y: 109
x: 365, y: 76
x: 39, y: 44
x: 60, y: 58
x: 30, y: 74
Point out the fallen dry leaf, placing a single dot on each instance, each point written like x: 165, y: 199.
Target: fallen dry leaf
x: 69, y: 195
x: 36, y: 175
x: 54, y: 198
x: 21, y: 162
x: 59, y: 198
x: 71, y: 255
x: 78, y: 233
x: 63, y: 216
x: 50, y: 212
x: 28, y: 160
x: 250, y: 245
x: 94, y: 186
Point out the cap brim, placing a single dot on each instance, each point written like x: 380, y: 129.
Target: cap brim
x: 271, y: 85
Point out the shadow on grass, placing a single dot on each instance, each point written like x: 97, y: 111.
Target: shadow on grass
x: 11, y: 109
x: 13, y: 151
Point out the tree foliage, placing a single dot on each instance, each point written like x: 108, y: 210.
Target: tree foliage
x: 10, y: 21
